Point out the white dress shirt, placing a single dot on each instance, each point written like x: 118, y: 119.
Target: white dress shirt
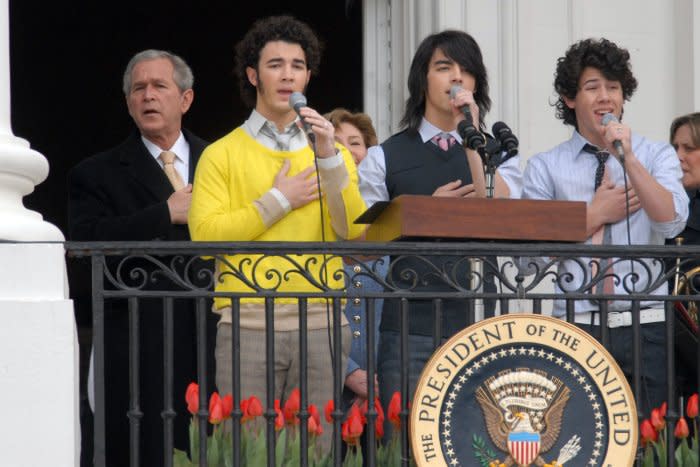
x: 181, y: 148
x: 372, y: 169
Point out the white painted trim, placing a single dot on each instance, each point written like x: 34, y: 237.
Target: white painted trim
x: 695, y: 50
x: 507, y: 109
x: 377, y: 65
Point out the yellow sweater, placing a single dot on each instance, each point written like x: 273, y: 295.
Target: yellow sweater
x: 233, y: 176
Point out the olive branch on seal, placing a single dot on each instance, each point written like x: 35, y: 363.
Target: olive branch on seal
x: 482, y: 453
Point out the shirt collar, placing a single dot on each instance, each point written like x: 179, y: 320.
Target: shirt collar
x: 181, y: 148
x: 428, y: 131
x: 577, y: 142
x: 256, y: 121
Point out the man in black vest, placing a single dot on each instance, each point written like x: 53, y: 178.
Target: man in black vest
x: 427, y: 158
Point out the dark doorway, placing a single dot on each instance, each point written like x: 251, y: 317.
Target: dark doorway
x: 67, y: 60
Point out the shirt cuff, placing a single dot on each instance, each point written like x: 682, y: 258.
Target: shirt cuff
x: 352, y: 366
x: 279, y: 196
x: 330, y: 162
x: 270, y: 207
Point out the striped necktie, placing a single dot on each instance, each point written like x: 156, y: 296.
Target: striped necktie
x: 282, y: 139
x: 444, y: 141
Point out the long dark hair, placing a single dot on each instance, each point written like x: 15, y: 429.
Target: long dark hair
x: 458, y: 46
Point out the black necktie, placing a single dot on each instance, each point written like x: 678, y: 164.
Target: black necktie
x: 602, y: 157
x: 602, y: 236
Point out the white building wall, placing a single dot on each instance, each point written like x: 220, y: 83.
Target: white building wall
x: 521, y: 41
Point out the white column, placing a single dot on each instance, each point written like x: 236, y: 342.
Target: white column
x: 21, y: 168
x: 38, y: 342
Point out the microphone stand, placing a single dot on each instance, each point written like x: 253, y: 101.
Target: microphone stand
x: 491, y: 157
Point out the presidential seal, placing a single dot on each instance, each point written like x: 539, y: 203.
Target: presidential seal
x: 523, y: 390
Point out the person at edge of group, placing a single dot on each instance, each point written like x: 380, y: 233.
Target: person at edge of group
x: 685, y: 138
x: 356, y: 132
x: 592, y: 79
x: 258, y: 183
x: 125, y: 194
x: 413, y: 161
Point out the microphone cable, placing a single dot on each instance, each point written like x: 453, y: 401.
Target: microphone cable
x: 297, y: 100
x: 324, y: 265
x: 627, y: 220
x: 608, y: 118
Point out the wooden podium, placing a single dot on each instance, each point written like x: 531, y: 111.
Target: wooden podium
x: 420, y: 216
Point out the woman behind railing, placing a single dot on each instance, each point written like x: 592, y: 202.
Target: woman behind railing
x: 685, y: 138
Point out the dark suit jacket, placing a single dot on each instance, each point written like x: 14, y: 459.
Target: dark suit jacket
x: 121, y: 194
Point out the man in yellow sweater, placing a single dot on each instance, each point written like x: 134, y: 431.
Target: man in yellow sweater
x: 258, y: 183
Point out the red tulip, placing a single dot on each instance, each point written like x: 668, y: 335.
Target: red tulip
x: 227, y: 406
x: 313, y: 412
x: 291, y: 407
x: 648, y: 432
x: 379, y: 422
x: 279, y: 419
x: 363, y: 407
x: 244, y: 409
x: 315, y: 427
x: 352, y: 427
x: 395, y: 410
x: 663, y: 408
x: 681, y: 431
x: 192, y: 398
x: 692, y: 408
x: 328, y: 411
x: 657, y: 419
x: 254, y: 407
x: 216, y: 410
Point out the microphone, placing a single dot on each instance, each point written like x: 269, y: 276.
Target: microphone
x: 471, y: 137
x: 609, y: 118
x: 296, y: 101
x: 509, y: 143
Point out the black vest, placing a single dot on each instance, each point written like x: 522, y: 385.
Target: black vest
x: 417, y: 168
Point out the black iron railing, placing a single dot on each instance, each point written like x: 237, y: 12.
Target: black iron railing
x: 524, y: 274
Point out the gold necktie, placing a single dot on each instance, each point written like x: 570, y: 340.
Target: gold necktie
x: 168, y: 159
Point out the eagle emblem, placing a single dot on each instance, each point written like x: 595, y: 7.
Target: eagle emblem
x: 523, y: 411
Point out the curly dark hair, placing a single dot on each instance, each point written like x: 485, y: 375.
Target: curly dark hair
x: 602, y: 54
x: 273, y: 28
x: 460, y: 47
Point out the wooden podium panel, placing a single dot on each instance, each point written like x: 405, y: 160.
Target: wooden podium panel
x: 420, y: 216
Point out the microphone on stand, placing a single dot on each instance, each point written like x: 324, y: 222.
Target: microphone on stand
x: 509, y: 143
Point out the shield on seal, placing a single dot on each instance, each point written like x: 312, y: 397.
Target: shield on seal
x: 524, y: 447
